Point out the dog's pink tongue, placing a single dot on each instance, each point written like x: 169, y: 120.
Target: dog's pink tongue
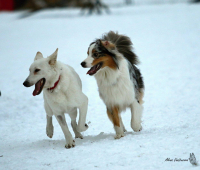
x: 37, y: 88
x: 92, y: 71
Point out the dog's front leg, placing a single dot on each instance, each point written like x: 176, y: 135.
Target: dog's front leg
x: 68, y: 136
x: 114, y: 116
x: 82, y: 126
x: 49, y: 127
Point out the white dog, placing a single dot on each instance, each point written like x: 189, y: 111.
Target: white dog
x: 62, y: 94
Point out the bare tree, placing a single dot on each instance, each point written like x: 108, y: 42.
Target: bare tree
x: 94, y: 6
x: 128, y: 2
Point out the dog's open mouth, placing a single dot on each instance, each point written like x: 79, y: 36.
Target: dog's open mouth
x: 94, y: 69
x: 39, y: 86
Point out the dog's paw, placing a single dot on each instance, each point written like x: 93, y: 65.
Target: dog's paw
x: 82, y: 129
x: 49, y: 131
x: 118, y: 136
x: 70, y: 145
x: 124, y: 129
x: 137, y: 128
x: 78, y: 135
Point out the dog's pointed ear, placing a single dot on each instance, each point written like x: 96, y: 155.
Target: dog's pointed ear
x: 53, y: 57
x: 98, y: 42
x: 38, y: 56
x: 106, y: 43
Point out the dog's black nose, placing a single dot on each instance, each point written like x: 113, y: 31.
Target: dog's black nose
x: 26, y: 84
x: 83, y: 64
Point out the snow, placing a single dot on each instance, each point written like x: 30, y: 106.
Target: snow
x: 142, y: 2
x: 166, y: 39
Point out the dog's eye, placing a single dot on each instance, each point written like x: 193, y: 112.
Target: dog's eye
x: 37, y: 70
x: 95, y: 55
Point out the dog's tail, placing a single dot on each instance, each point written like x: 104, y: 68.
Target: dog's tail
x: 123, y: 45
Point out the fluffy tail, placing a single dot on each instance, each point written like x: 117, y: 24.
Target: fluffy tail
x: 123, y: 44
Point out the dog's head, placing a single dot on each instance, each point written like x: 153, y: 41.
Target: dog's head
x: 100, y: 55
x: 42, y: 71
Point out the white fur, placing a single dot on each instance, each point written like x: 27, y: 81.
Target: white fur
x: 67, y: 97
x: 114, y: 85
x: 90, y: 59
x: 116, y: 89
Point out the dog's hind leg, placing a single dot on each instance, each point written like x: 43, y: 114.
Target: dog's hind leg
x: 82, y: 126
x: 136, y: 115
x: 49, y: 127
x: 121, y: 123
x: 115, y: 117
x: 68, y: 136
x: 73, y: 115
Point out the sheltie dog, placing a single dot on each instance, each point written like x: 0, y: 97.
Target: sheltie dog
x: 113, y: 63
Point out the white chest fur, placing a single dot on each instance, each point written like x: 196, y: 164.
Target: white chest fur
x: 115, y: 86
x: 58, y: 101
x: 67, y: 95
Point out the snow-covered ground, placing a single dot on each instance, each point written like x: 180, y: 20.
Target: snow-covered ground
x: 142, y: 2
x: 166, y: 39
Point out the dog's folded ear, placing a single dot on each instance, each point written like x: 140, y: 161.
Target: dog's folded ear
x: 53, y: 57
x: 38, y: 56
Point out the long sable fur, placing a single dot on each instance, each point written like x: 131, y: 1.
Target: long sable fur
x: 123, y: 44
x: 137, y: 80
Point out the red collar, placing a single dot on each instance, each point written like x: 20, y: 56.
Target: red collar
x: 55, y: 84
